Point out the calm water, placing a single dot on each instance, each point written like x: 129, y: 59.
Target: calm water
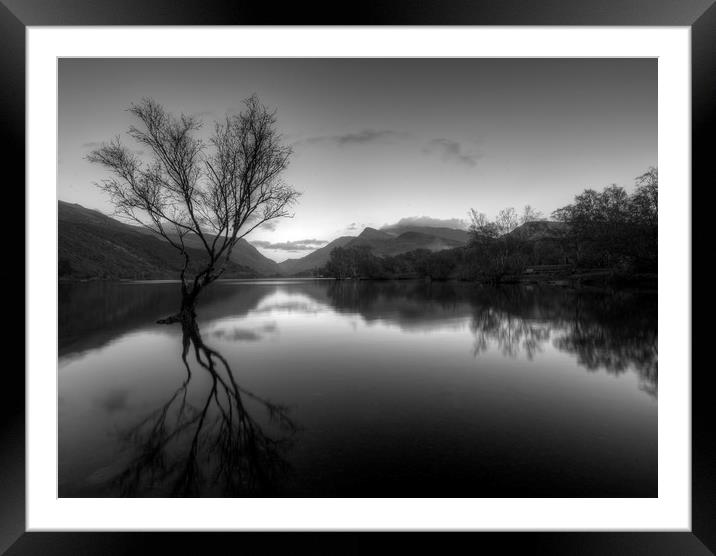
x: 321, y: 388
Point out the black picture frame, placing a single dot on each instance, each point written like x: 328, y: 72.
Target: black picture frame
x: 16, y: 15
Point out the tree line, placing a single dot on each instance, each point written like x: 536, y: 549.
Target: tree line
x: 611, y: 230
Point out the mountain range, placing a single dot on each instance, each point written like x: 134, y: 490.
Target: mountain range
x: 94, y: 245
x: 386, y: 242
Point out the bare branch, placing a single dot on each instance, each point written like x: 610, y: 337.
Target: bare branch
x: 218, y: 191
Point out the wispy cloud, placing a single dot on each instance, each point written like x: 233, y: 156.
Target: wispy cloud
x: 452, y: 151
x: 365, y: 137
x: 454, y: 223
x: 298, y: 245
x: 269, y: 226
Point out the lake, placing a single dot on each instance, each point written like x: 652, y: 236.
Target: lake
x: 321, y: 388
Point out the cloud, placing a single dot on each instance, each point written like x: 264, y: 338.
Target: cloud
x: 269, y: 226
x: 352, y: 226
x: 364, y: 137
x: 454, y: 223
x: 298, y: 245
x: 452, y: 151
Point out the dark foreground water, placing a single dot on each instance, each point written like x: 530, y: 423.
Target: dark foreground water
x: 380, y: 389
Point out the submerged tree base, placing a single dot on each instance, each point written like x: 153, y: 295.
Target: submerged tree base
x: 185, y: 316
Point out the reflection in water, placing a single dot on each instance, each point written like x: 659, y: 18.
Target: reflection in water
x: 512, y: 334
x: 615, y: 332
x: 185, y: 450
x: 400, y: 389
x: 610, y: 331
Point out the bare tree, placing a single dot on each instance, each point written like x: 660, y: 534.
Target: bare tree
x: 529, y: 214
x: 644, y: 201
x: 481, y: 227
x: 507, y: 220
x: 218, y: 191
x: 477, y: 219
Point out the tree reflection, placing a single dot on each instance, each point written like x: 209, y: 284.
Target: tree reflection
x: 511, y: 333
x: 408, y: 304
x: 611, y: 330
x: 515, y: 320
x: 615, y: 332
x: 212, y: 448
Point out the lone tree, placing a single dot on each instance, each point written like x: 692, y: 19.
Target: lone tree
x: 218, y: 191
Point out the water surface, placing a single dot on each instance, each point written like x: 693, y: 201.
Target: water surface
x: 380, y: 389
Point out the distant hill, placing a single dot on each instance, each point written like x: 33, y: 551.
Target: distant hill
x: 371, y: 234
x: 539, y: 230
x: 313, y: 260
x: 370, y: 237
x: 77, y: 214
x: 382, y: 243
x: 444, y: 233
x: 93, y: 245
x: 397, y: 241
x: 243, y: 254
x: 410, y: 241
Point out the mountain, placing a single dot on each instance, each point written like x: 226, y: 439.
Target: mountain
x: 243, y: 254
x: 401, y: 240
x: 383, y: 243
x: 410, y: 241
x: 370, y: 237
x: 93, y: 245
x: 538, y: 230
x: 72, y: 212
x: 451, y: 234
x: 371, y: 234
x: 313, y: 260
x: 246, y: 254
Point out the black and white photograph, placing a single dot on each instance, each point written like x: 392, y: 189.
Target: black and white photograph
x: 357, y: 277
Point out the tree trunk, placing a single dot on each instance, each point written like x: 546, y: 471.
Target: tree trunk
x: 187, y: 310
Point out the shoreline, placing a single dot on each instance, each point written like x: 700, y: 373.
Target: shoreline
x: 643, y: 282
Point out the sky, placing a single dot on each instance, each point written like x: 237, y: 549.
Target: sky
x: 380, y: 140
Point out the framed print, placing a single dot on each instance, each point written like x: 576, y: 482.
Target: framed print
x: 402, y: 273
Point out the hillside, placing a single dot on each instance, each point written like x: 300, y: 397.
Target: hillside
x: 93, y: 245
x: 243, y: 254
x: 410, y: 241
x: 383, y: 243
x: 452, y: 234
x: 539, y: 230
x: 370, y: 237
x: 313, y: 260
